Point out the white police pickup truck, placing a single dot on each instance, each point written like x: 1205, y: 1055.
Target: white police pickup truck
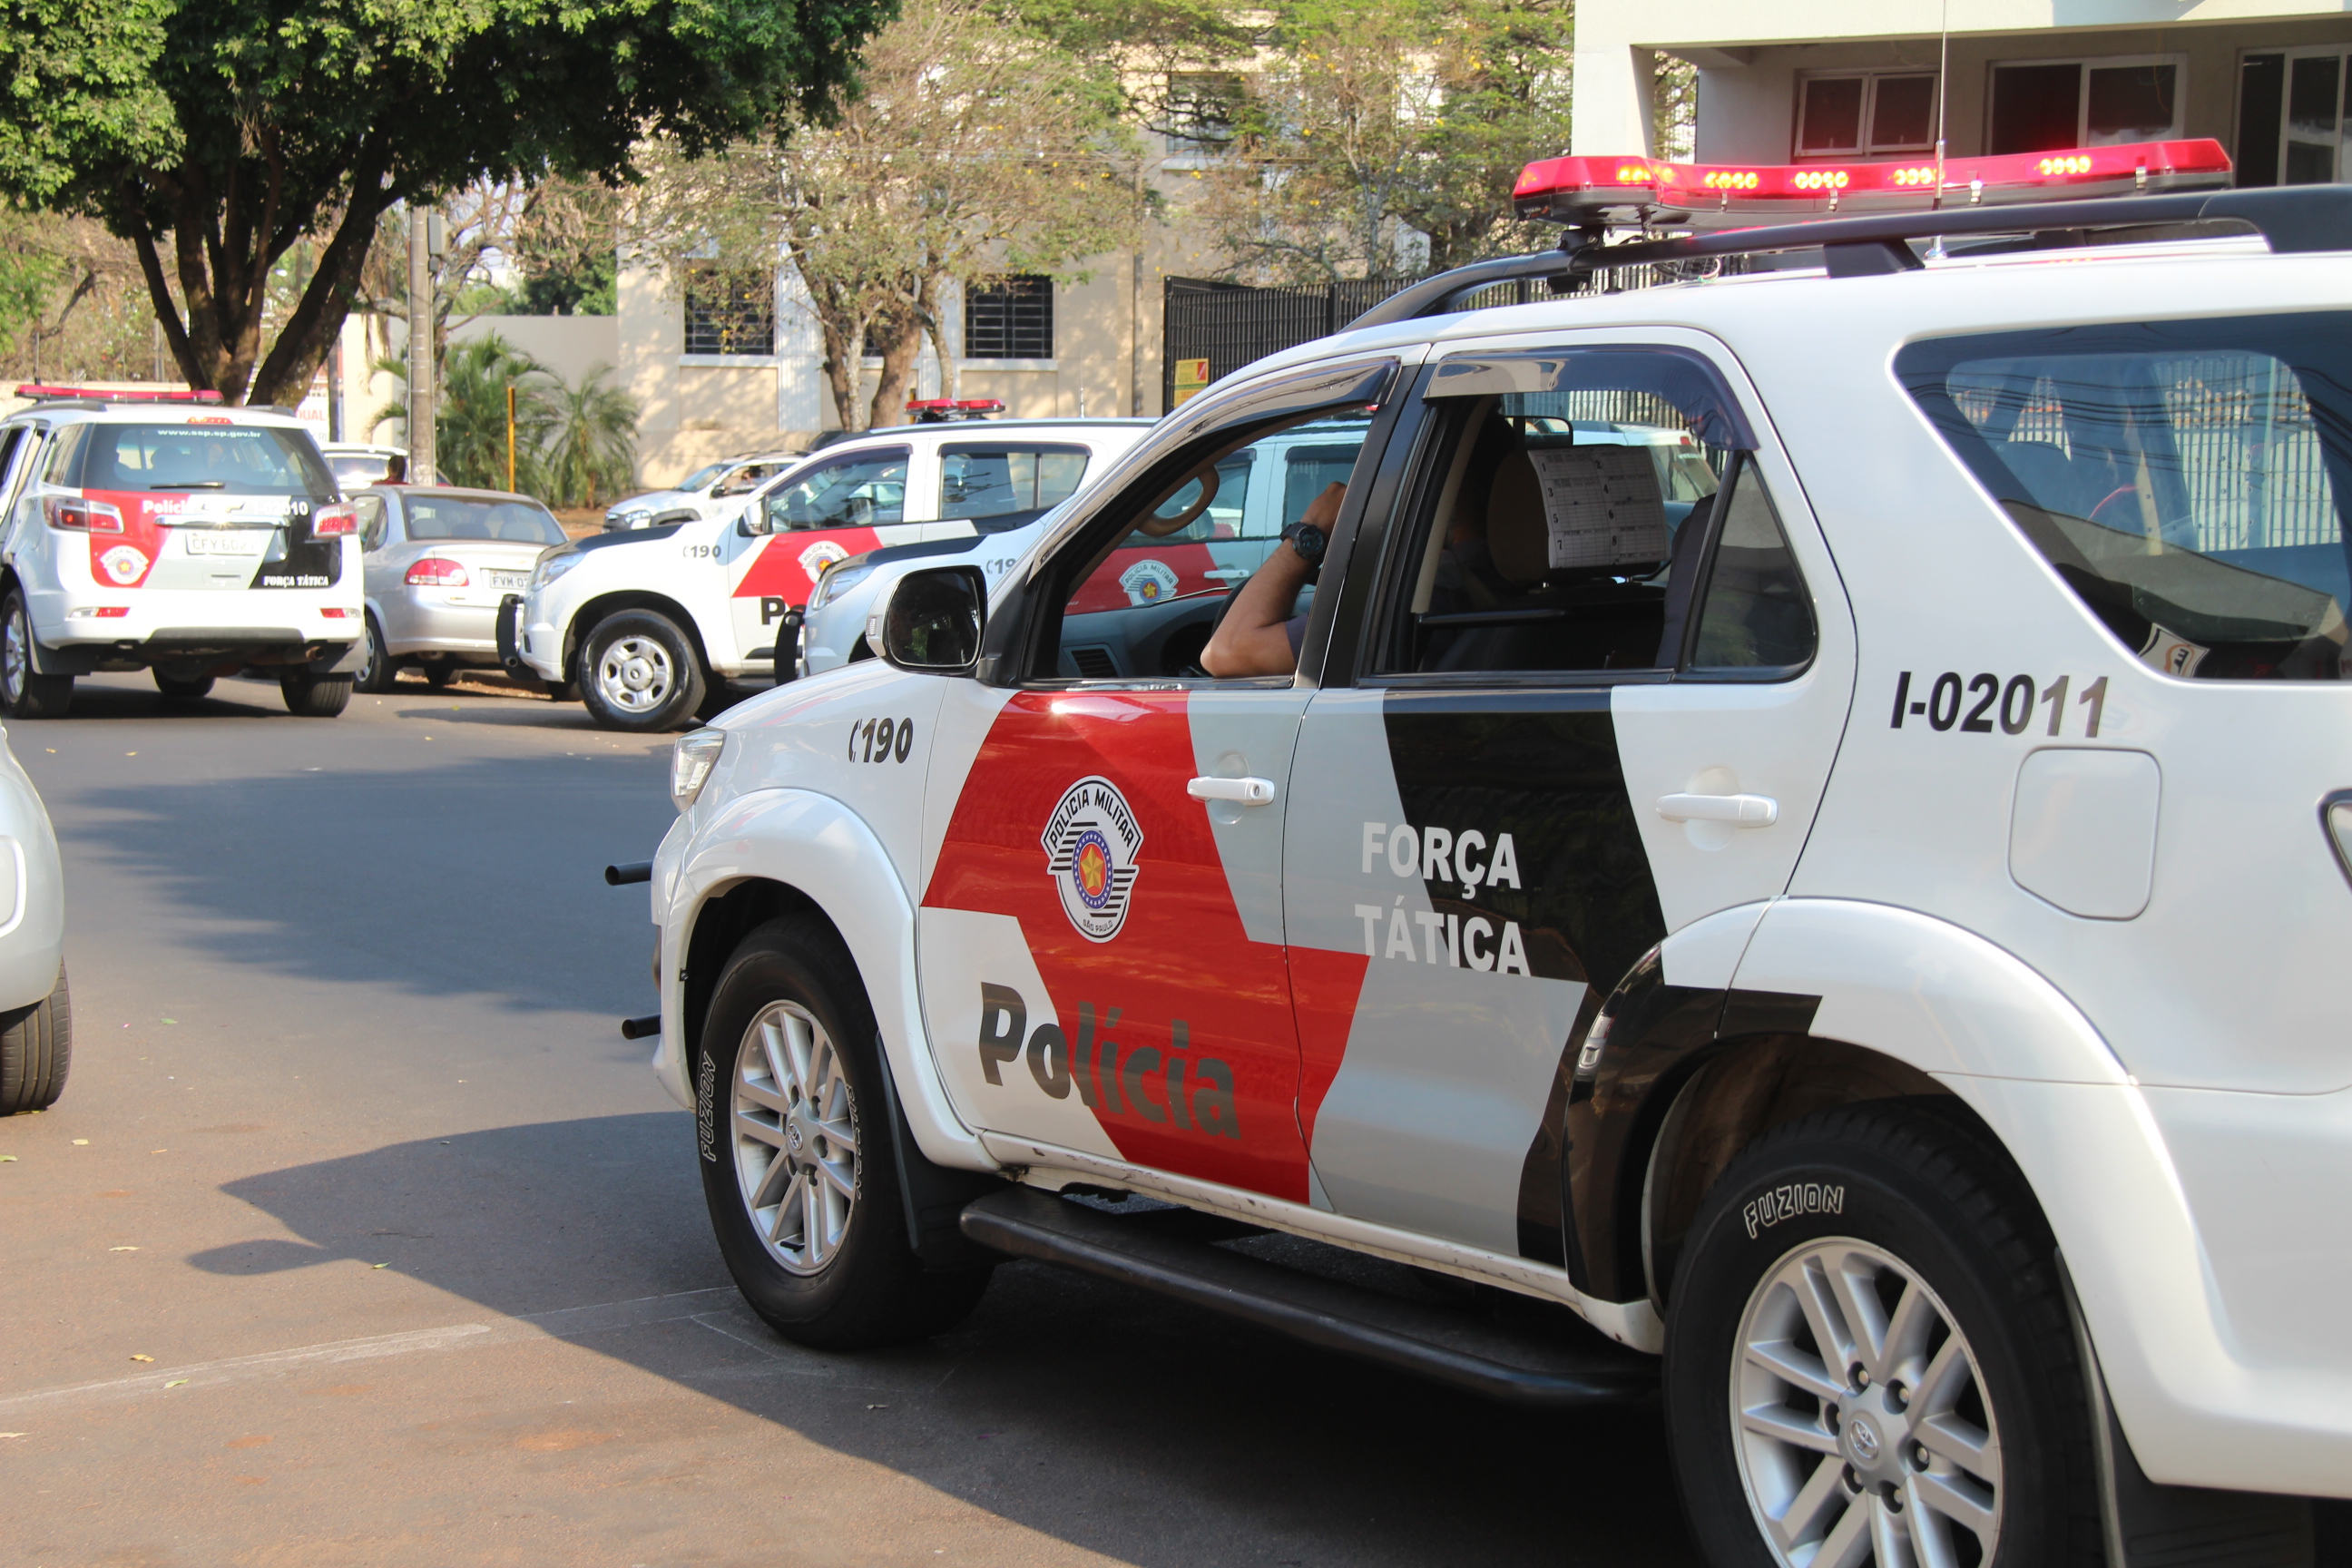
x: 1856, y: 953
x: 648, y: 624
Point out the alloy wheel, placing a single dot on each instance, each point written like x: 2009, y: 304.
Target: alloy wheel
x: 15, y: 653
x: 795, y: 1137
x: 635, y: 675
x: 1860, y: 1416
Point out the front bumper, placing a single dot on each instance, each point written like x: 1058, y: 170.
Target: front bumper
x: 525, y: 642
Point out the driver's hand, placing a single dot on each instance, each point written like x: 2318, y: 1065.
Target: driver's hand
x: 1324, y: 510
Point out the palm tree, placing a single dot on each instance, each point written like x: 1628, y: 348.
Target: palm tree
x: 471, y: 432
x: 590, y: 440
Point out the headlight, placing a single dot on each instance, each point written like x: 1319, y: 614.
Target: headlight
x: 836, y: 583
x: 690, y: 762
x: 632, y: 517
x: 554, y: 566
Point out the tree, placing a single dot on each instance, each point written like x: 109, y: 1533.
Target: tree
x: 975, y: 148
x: 590, y: 452
x: 575, y: 442
x: 1384, y: 136
x: 220, y: 132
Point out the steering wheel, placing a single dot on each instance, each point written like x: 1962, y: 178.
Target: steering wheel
x: 1155, y: 526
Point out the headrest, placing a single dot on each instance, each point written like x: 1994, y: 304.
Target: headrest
x: 1516, y: 537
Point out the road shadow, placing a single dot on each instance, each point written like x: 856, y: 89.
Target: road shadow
x: 290, y: 872
x: 1115, y: 1421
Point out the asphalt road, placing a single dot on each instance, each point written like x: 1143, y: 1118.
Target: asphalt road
x: 354, y: 1151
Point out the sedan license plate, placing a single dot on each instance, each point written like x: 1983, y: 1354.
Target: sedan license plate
x: 224, y: 540
x: 511, y: 581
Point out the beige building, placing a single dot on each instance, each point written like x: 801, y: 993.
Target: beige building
x: 1802, y: 79
x: 716, y: 377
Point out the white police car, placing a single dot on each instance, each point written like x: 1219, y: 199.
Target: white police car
x: 651, y: 622
x: 1866, y: 944
x: 163, y: 531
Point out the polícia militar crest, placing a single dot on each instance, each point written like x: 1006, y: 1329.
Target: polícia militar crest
x: 1092, y: 842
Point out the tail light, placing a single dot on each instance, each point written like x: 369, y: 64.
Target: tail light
x: 329, y: 520
x: 434, y: 572
x: 82, y: 516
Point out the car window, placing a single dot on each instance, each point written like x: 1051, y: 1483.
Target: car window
x: 701, y: 476
x: 1148, y: 604
x: 2181, y: 478
x: 1573, y: 511
x: 508, y: 521
x: 232, y: 459
x: 865, y: 489
x: 1001, y: 480
x: 354, y: 469
x: 371, y: 509
x: 745, y: 479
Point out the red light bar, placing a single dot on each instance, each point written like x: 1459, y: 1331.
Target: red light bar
x: 1587, y: 190
x: 937, y: 410
x: 100, y: 394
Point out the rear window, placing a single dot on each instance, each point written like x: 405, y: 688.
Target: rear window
x: 2182, y: 477
x: 508, y: 521
x: 229, y: 459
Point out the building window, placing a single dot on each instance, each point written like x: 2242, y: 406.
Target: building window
x: 2042, y: 106
x: 1199, y: 112
x: 731, y: 312
x: 1008, y: 318
x: 2291, y: 116
x: 1865, y: 112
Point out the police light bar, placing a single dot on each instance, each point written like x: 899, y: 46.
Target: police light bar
x: 1596, y: 190
x: 100, y: 394
x: 940, y: 410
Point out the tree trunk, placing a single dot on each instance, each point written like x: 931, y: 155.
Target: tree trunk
x: 902, y: 343
x: 845, y: 360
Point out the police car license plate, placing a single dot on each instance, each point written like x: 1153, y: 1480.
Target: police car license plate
x: 510, y: 580
x: 224, y: 540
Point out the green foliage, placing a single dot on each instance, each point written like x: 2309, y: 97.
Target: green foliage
x: 26, y: 280
x: 215, y: 133
x: 1374, y: 125
x: 590, y: 453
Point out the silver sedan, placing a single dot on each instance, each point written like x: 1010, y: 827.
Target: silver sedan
x: 438, y: 562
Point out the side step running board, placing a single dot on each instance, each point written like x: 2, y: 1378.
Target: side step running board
x: 1518, y: 1368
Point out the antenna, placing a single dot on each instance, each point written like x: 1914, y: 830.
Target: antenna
x: 1943, y: 81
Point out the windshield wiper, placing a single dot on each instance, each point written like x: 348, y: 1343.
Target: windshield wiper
x: 193, y: 485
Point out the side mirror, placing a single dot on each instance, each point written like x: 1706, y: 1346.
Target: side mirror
x: 930, y: 621
x: 743, y: 529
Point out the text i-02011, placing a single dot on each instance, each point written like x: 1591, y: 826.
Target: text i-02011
x: 2008, y: 705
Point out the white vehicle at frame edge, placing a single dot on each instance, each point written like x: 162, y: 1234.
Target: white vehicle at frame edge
x: 165, y: 531
x: 1857, y: 959
x: 36, y: 1008
x: 652, y: 624
x: 715, y: 490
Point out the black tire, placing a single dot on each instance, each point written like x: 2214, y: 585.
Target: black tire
x: 381, y: 672
x: 312, y: 696
x: 25, y: 692
x: 868, y: 1289
x: 440, y: 674
x: 1918, y: 1185
x: 639, y: 673
x: 36, y: 1051
x: 716, y: 698
x: 182, y: 690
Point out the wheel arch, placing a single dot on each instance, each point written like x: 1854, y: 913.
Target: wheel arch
x: 774, y: 852
x: 590, y: 612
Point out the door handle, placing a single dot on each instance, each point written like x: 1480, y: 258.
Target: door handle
x: 1741, y: 810
x: 1244, y: 792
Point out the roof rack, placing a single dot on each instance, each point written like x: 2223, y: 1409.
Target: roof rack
x: 2291, y: 219
x: 43, y: 394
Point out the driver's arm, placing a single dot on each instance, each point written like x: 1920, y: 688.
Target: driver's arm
x: 1255, y: 636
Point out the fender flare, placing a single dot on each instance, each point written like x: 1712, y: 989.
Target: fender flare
x: 2015, y: 1050
x: 819, y: 848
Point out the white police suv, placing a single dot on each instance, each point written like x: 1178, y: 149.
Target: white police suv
x: 163, y: 531
x: 1850, y: 946
x: 649, y: 624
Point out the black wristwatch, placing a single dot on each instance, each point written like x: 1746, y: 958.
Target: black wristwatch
x: 1306, y: 540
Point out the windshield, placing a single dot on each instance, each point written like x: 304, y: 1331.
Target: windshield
x: 508, y: 522
x: 701, y: 476
x: 356, y: 469
x: 230, y: 460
